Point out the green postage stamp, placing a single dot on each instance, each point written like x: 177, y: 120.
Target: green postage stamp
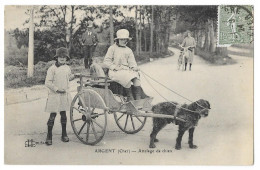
x: 235, y: 24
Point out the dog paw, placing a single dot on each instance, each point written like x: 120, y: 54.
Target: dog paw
x: 152, y: 146
x: 178, y: 147
x: 156, y: 140
x: 193, y: 146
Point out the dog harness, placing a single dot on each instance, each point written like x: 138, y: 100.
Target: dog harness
x: 177, y: 109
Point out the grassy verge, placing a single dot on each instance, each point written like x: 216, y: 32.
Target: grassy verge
x: 246, y: 50
x: 242, y: 53
x: 213, y: 58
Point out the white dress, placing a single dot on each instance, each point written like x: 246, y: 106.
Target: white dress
x: 122, y: 57
x: 58, y: 78
x: 189, y: 41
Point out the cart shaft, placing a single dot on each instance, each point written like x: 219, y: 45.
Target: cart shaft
x: 159, y: 116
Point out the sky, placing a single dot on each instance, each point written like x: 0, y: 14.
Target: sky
x: 15, y: 16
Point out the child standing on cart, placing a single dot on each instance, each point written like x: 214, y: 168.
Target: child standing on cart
x: 59, y: 98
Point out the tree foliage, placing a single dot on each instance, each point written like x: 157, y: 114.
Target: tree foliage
x: 63, y: 25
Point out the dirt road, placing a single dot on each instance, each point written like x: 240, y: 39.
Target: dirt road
x: 225, y: 137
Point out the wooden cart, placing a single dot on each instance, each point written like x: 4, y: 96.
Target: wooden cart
x: 95, y: 100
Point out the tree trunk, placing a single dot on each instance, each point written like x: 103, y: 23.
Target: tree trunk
x: 222, y: 51
x: 151, y: 29
x: 204, y: 32
x: 140, y: 29
x: 31, y: 46
x: 145, y: 35
x: 212, y: 37
x: 111, y: 24
x: 167, y: 32
x: 197, y: 34
x: 207, y: 39
x: 157, y: 31
x: 64, y: 12
x: 159, y: 42
x: 136, y: 32
x: 200, y: 39
x: 71, y: 29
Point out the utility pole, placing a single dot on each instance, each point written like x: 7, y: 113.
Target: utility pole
x: 31, y: 45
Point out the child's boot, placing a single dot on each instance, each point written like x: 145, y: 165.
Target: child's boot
x: 137, y: 92
x: 64, y: 136
x: 50, y: 124
x: 129, y: 94
x: 49, y: 136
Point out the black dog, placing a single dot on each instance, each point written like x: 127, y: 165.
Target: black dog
x: 200, y: 108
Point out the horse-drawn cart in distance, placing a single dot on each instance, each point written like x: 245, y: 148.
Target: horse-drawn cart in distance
x: 99, y: 96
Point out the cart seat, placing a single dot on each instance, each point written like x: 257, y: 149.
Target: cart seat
x: 99, y: 70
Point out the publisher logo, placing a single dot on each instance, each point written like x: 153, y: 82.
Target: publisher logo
x: 30, y: 143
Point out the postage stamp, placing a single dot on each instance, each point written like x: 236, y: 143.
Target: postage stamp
x: 235, y: 24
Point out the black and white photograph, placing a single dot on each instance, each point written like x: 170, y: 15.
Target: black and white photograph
x: 129, y: 84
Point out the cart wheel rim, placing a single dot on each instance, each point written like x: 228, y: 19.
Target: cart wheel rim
x: 88, y: 122
x: 129, y: 123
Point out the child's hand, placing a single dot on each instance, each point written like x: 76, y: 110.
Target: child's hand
x: 61, y: 91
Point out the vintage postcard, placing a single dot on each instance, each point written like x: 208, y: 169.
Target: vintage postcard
x: 128, y: 84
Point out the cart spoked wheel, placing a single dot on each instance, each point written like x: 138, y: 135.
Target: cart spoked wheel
x: 88, y: 116
x: 129, y: 123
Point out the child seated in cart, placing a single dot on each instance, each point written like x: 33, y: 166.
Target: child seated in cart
x: 59, y: 98
x: 122, y: 66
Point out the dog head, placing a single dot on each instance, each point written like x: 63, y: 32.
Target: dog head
x: 202, y: 106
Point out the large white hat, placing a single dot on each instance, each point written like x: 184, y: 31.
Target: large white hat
x: 122, y: 34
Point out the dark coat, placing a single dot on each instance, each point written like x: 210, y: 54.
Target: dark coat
x: 89, y: 39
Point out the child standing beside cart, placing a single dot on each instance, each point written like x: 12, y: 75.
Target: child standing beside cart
x: 59, y: 98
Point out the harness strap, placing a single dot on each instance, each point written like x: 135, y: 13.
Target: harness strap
x: 177, y: 109
x: 167, y: 99
x: 169, y: 90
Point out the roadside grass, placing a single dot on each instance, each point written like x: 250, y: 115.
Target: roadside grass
x: 241, y: 53
x: 213, y: 58
x: 16, y: 76
x: 246, y: 50
x: 247, y: 46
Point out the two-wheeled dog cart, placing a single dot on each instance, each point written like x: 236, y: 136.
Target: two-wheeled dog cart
x: 95, y: 100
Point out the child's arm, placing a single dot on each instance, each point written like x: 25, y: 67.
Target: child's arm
x: 109, y: 57
x: 73, y: 76
x: 49, y: 80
